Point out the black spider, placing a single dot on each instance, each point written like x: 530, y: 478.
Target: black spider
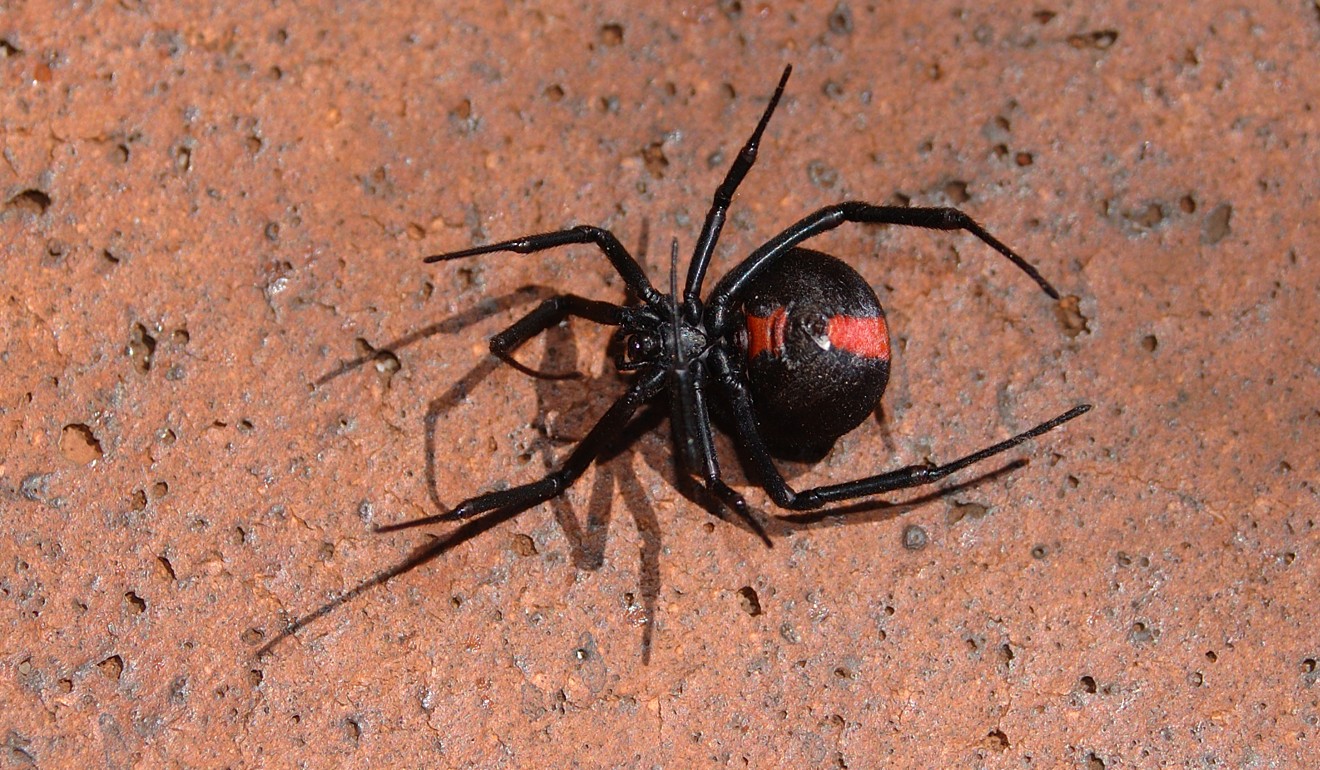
x: 792, y: 342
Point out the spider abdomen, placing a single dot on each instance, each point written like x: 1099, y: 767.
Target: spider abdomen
x: 816, y: 348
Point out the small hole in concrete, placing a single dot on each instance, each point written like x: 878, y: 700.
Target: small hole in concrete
x: 523, y: 545
x: 1100, y: 39
x: 653, y: 157
x: 914, y: 537
x: 183, y: 158
x: 1088, y: 684
x: 751, y: 603
x: 32, y: 201
x: 141, y: 348
x: 956, y: 191
x: 967, y: 510
x: 112, y: 667
x: 611, y: 34
x: 386, y: 362
x: 822, y: 174
x: 1217, y: 224
x: 1149, y: 343
x: 78, y: 444
x: 840, y: 20
x: 136, y: 604
x: 1068, y: 311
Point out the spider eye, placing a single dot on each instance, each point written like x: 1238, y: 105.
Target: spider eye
x: 637, y: 349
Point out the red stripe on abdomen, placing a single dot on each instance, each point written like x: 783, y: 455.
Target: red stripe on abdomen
x: 766, y: 334
x: 865, y: 337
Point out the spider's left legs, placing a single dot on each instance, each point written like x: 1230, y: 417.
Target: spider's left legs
x: 549, y: 313
x: 623, y: 262
x: 606, y: 430
x: 727, y: 292
x: 903, y: 478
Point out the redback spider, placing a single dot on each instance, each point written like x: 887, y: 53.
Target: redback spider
x: 792, y: 344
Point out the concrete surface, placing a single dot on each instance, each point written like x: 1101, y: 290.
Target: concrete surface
x: 224, y: 364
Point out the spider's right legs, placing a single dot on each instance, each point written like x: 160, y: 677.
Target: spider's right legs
x: 623, y: 262
x: 692, y: 424
x: 748, y: 435
x: 524, y: 496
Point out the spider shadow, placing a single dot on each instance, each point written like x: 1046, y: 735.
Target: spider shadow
x: 454, y: 324
x: 566, y: 410
x: 573, y: 398
x: 581, y: 401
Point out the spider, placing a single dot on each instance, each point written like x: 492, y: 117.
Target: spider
x: 792, y: 345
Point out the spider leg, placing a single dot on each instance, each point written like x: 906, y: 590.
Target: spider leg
x: 549, y: 313
x: 719, y: 206
x: 553, y: 484
x: 623, y: 262
x: 903, y: 478
x: 692, y: 428
x: 825, y: 219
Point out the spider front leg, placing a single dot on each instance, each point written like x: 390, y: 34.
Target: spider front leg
x: 550, y: 313
x: 906, y: 477
x: 623, y: 262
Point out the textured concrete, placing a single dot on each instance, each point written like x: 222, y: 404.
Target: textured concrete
x: 224, y: 364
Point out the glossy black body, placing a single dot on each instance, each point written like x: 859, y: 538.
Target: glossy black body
x: 810, y: 392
